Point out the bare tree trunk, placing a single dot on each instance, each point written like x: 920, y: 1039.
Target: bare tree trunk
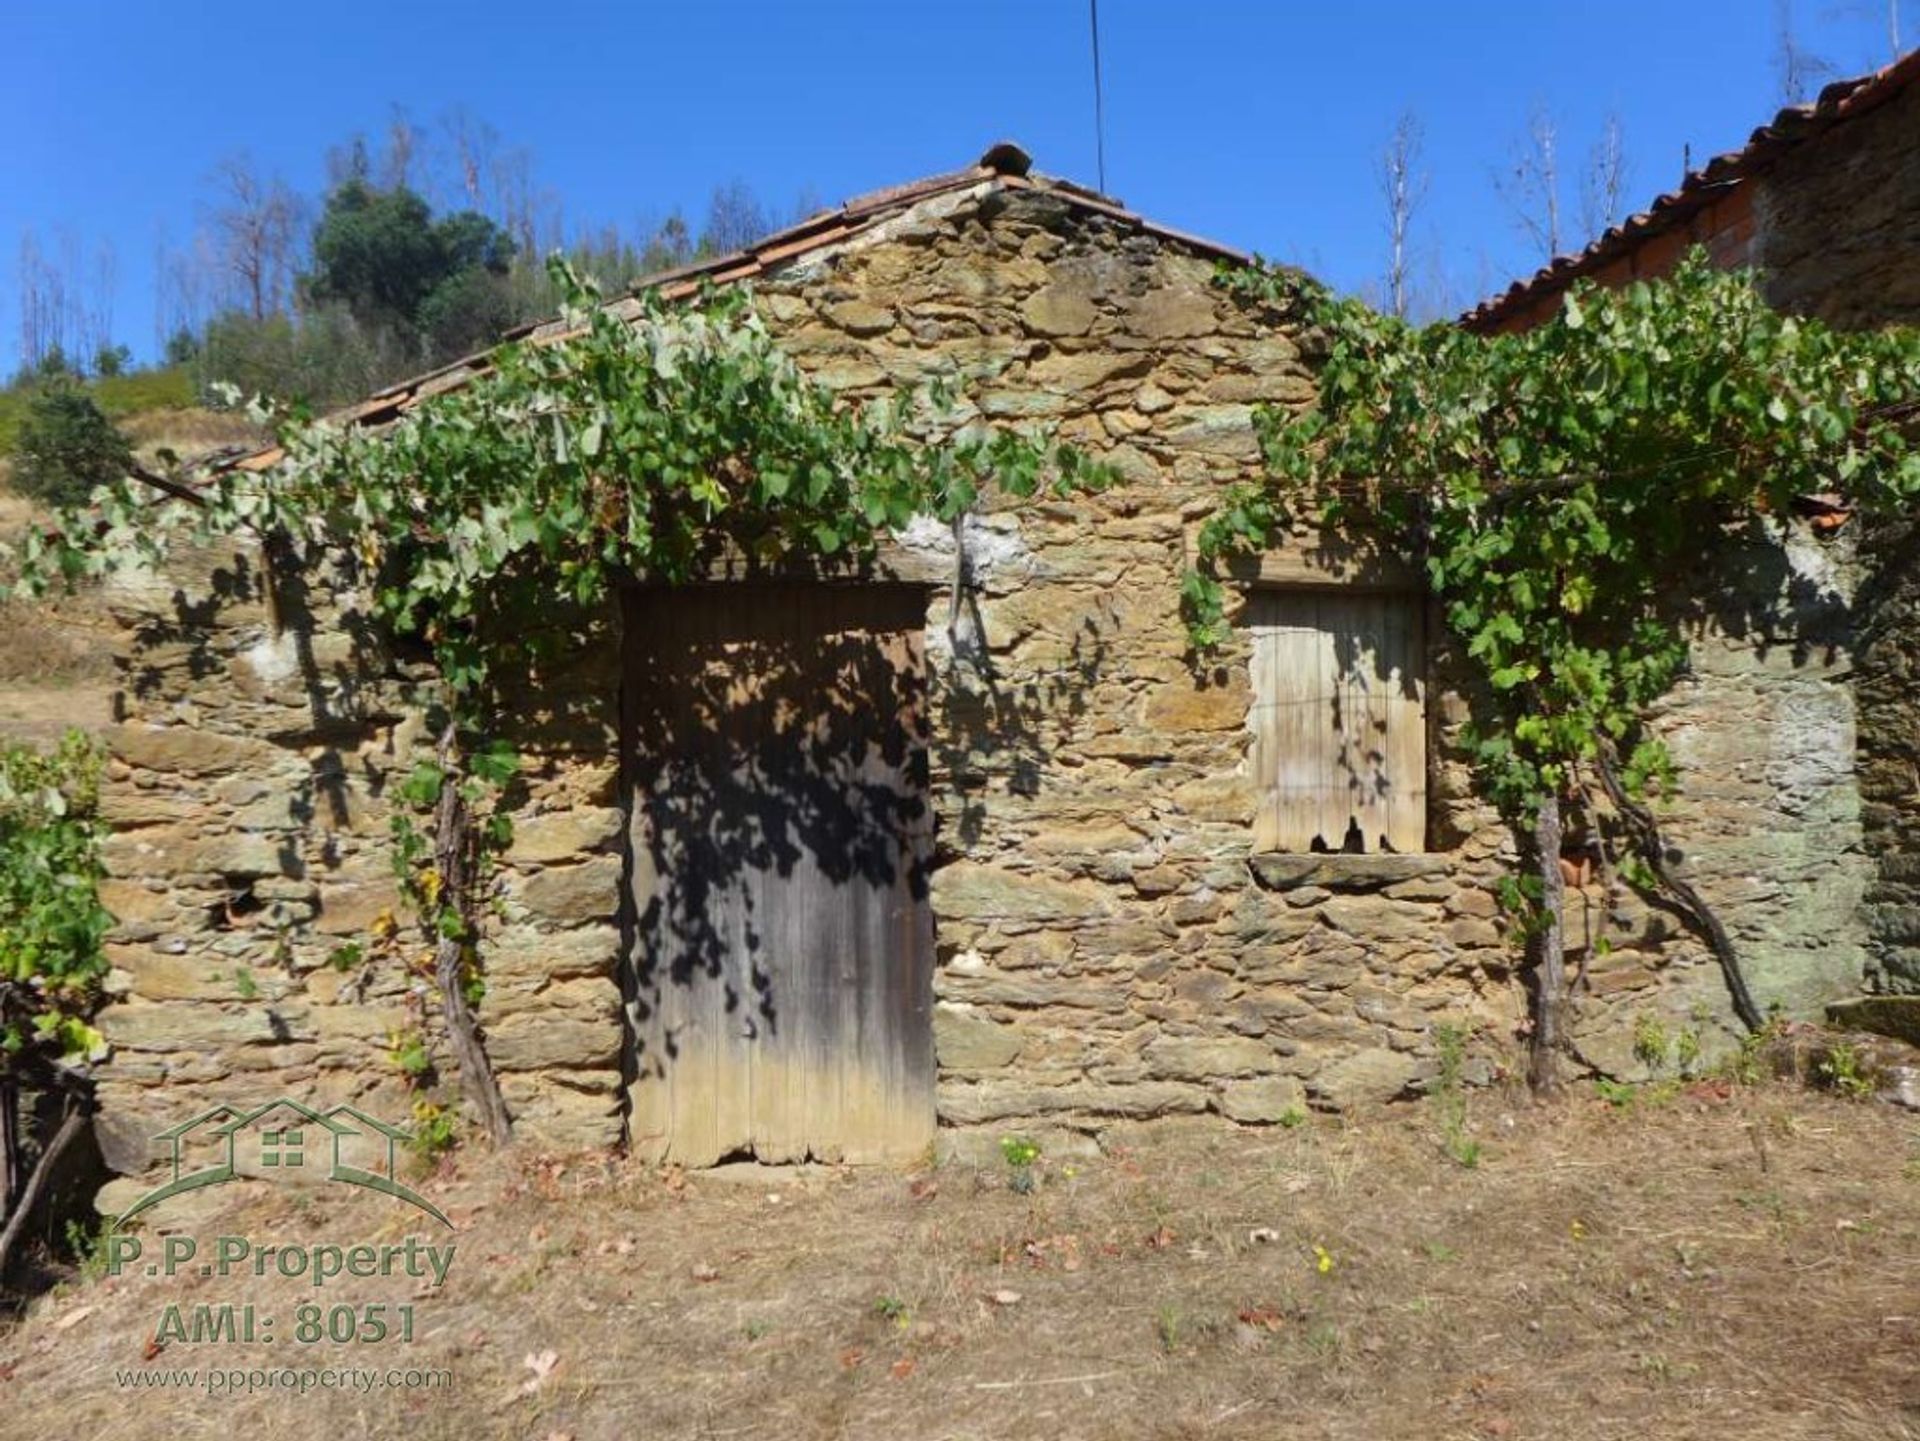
x: 1603, y: 188
x: 1403, y: 186
x: 9, y: 1140
x: 70, y: 1127
x: 453, y: 856
x: 1550, y: 959
x: 1530, y: 187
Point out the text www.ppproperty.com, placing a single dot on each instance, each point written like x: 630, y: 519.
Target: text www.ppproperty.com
x: 218, y: 1381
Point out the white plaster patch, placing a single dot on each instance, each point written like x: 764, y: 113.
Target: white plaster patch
x: 1819, y: 563
x: 968, y: 963
x: 996, y: 551
x: 274, y: 658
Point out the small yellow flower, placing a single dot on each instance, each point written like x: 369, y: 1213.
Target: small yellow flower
x: 1322, y: 1260
x: 1578, y: 1229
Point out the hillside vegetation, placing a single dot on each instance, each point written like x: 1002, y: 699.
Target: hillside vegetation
x: 141, y: 393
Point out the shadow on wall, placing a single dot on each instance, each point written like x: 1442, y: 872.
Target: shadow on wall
x: 989, y: 728
x: 289, y: 666
x: 775, y: 754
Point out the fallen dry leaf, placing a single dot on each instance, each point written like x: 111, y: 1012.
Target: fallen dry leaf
x: 1263, y: 1235
x: 1005, y: 1298
x: 902, y: 1368
x: 73, y: 1318
x: 542, y: 1365
x: 851, y: 1357
x: 704, y: 1272
x: 153, y: 1348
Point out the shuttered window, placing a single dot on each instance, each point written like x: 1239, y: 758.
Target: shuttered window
x: 1339, y: 721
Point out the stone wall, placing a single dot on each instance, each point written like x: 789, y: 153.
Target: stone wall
x: 1766, y: 820
x: 1108, y: 945
x: 1864, y: 273
x: 1888, y: 687
x: 1836, y: 227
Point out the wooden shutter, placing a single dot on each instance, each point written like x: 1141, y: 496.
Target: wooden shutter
x: 1339, y: 720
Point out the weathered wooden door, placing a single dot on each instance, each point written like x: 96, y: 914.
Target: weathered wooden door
x: 781, y: 943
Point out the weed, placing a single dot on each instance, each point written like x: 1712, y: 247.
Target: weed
x: 1020, y: 1154
x: 892, y: 1308
x: 1686, y: 1051
x: 409, y: 1053
x: 1650, y: 1042
x: 1846, y: 1070
x: 1167, y: 1323
x: 757, y: 1329
x: 245, y: 984
x: 1450, y: 1096
x: 1292, y: 1117
x: 1617, y: 1094
x: 433, y: 1129
x: 1440, y: 1251
x: 1323, y: 1338
x: 88, y: 1244
x: 1748, y: 1065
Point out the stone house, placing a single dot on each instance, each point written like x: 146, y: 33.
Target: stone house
x: 1024, y: 864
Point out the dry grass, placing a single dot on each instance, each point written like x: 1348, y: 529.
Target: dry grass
x: 189, y: 432
x: 1746, y: 1266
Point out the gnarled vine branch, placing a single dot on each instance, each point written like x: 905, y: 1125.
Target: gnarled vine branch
x: 454, y: 860
x: 1643, y: 833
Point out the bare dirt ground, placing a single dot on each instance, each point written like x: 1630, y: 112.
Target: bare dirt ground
x: 1724, y: 1263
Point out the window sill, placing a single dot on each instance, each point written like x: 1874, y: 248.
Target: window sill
x: 1341, y: 871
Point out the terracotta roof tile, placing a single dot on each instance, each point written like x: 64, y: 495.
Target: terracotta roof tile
x: 1841, y: 101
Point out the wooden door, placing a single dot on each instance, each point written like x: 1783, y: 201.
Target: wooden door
x: 781, y: 944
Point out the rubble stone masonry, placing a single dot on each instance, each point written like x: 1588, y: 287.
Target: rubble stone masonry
x: 1109, y: 947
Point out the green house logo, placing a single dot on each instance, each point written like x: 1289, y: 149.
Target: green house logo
x: 279, y: 1138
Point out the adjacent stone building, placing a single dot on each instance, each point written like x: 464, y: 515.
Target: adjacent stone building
x: 1142, y: 883
x: 1824, y: 203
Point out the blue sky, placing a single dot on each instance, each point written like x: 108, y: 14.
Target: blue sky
x: 1259, y: 124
